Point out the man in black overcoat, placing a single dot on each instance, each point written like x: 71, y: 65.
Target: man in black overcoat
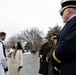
x: 42, y: 55
x: 64, y: 57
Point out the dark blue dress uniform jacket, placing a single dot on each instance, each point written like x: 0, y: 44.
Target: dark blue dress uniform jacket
x: 65, y: 54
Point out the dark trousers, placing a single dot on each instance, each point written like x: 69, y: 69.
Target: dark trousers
x: 43, y: 67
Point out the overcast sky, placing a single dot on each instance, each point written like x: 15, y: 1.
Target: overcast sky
x: 18, y: 15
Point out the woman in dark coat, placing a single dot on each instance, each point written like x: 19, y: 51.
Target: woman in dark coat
x: 42, y: 55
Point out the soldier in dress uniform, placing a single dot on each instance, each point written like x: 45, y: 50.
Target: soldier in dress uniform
x: 52, y: 70
x: 64, y: 57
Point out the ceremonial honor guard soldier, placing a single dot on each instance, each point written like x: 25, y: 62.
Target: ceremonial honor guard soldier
x: 64, y: 57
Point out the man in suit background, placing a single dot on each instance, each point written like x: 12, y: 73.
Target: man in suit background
x: 42, y: 55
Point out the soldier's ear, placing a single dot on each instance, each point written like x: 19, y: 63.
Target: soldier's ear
x: 69, y: 11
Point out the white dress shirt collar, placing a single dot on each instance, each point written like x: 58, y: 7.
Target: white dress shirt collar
x: 71, y: 17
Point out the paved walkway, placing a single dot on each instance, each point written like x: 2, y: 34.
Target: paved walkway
x: 31, y: 64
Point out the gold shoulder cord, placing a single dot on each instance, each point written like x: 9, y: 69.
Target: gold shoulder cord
x: 56, y: 59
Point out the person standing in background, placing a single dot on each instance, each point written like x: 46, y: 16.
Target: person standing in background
x: 42, y: 55
x: 16, y: 59
x: 2, y: 54
x: 52, y: 70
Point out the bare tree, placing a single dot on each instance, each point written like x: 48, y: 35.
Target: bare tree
x: 34, y: 36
